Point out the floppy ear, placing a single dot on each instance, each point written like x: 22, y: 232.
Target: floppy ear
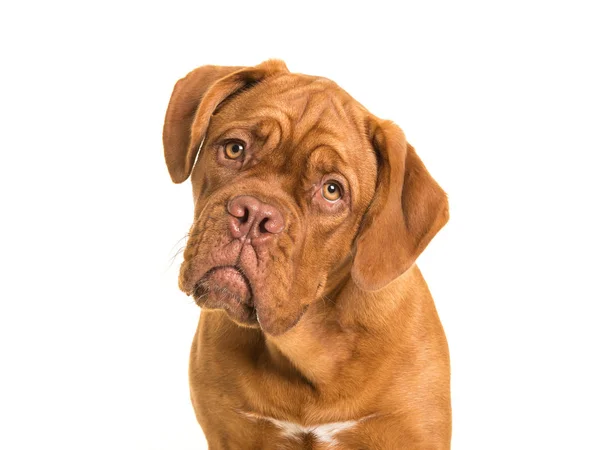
x: 407, y: 211
x: 193, y: 101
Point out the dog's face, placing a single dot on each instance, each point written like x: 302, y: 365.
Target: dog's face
x: 288, y: 167
x: 283, y: 178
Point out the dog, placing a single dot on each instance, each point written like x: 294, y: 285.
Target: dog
x: 317, y: 329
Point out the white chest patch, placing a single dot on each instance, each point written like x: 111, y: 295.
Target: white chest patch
x: 324, y: 433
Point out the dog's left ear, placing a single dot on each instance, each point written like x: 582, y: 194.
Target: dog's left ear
x: 407, y: 211
x: 194, y: 99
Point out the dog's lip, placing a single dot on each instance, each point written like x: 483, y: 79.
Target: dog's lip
x: 229, y: 277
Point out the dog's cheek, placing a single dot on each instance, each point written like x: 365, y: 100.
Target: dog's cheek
x: 325, y: 252
x: 273, y: 276
x: 279, y: 298
x: 203, y: 232
x: 206, y: 238
x: 279, y: 307
x: 205, y: 176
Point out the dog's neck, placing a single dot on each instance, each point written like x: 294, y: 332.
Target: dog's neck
x: 341, y: 325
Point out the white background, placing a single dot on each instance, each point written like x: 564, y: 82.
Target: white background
x: 500, y: 99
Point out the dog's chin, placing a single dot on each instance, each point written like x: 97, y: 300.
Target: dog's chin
x: 228, y: 289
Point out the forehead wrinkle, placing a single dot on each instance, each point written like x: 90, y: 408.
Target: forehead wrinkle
x: 270, y: 131
x: 298, y: 92
x: 339, y: 107
x: 325, y: 157
x: 275, y: 126
x: 296, y: 86
x: 220, y: 129
x: 317, y: 108
x: 318, y: 135
x: 271, y: 112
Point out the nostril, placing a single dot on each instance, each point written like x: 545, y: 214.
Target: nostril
x: 273, y: 223
x: 239, y: 210
x: 246, y: 215
x: 262, y: 226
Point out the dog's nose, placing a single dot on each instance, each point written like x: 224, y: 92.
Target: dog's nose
x: 254, y: 219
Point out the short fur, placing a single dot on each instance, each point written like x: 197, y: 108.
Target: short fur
x: 339, y: 333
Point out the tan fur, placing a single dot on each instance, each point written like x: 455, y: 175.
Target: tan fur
x: 348, y: 329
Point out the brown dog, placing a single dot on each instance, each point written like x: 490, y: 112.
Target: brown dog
x: 318, y: 330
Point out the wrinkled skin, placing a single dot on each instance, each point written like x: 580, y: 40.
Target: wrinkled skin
x: 314, y: 312
x: 313, y: 134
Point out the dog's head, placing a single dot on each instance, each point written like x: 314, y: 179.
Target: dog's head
x: 294, y: 183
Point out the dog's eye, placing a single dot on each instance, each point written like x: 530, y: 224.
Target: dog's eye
x: 234, y: 149
x: 332, y: 191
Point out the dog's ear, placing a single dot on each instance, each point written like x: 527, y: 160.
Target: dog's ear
x: 193, y: 101
x: 407, y: 211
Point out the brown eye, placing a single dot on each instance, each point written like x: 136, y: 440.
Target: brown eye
x: 332, y: 191
x: 234, y: 149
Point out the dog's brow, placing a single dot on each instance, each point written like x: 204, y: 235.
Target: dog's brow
x: 273, y: 113
x: 325, y: 156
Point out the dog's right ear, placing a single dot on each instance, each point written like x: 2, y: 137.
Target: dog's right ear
x: 193, y: 101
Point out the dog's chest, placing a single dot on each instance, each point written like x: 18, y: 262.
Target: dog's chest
x: 323, y: 434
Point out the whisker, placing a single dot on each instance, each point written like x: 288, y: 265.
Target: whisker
x: 174, y: 257
x: 185, y: 236
x: 181, y: 249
